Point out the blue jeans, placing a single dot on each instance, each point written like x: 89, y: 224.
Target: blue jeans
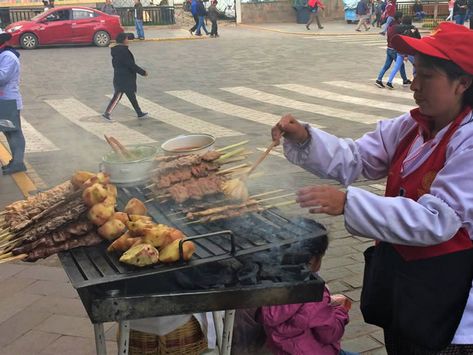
x: 459, y: 19
x: 16, y: 142
x: 201, y: 25
x: 140, y: 32
x: 420, y: 15
x: 397, y: 66
x: 344, y: 352
x: 391, y: 56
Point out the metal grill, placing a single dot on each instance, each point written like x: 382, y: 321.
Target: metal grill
x: 94, y: 266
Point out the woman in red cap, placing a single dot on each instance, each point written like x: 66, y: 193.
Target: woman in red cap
x: 418, y: 276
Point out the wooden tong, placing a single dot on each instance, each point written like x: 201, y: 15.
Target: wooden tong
x: 119, y: 148
x: 261, y: 158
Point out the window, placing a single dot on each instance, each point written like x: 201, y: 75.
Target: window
x: 82, y: 14
x: 60, y: 15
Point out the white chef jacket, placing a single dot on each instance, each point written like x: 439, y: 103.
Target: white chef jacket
x: 433, y: 219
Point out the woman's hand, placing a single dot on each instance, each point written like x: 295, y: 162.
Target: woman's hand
x: 322, y: 199
x: 291, y: 129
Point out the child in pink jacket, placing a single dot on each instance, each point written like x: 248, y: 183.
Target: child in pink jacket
x: 313, y: 328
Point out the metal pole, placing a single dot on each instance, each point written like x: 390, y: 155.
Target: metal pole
x: 228, y: 332
x: 100, y: 345
x: 218, y: 322
x: 124, y: 340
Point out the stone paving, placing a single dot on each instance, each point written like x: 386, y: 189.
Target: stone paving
x: 205, y: 83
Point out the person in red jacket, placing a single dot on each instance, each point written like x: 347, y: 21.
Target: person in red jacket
x: 312, y: 327
x: 388, y: 15
x: 314, y: 6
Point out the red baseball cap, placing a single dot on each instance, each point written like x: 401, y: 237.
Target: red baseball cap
x: 450, y: 41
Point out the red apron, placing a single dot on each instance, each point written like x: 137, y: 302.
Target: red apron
x: 418, y: 292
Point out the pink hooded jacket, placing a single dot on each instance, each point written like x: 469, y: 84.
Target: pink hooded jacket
x: 305, y: 328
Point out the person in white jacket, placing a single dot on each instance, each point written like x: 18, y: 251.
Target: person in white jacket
x: 418, y: 275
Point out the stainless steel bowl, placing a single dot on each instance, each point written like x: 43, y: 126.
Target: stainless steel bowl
x: 189, y: 144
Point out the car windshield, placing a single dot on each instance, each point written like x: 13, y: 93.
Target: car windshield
x: 37, y: 17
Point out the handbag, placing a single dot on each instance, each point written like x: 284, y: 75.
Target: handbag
x: 9, y: 117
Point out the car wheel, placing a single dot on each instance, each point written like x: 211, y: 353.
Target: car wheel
x: 101, y: 39
x: 28, y: 41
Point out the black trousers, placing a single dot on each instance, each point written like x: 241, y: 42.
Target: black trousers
x: 214, y: 30
x: 196, y: 19
x: 117, y: 95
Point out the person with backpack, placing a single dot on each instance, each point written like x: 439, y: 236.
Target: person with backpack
x: 391, y: 54
x: 378, y: 11
x: 406, y: 28
x: 363, y: 12
x: 314, y: 6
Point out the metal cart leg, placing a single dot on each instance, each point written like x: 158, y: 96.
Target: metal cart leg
x: 228, y: 332
x: 124, y: 339
x: 218, y: 322
x: 100, y: 345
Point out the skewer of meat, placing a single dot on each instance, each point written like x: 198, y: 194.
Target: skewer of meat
x: 90, y: 239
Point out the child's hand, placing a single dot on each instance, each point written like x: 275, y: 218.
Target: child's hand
x: 341, y: 300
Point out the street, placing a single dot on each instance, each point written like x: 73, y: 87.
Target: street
x: 235, y: 88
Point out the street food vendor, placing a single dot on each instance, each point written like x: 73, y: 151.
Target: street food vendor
x: 418, y: 274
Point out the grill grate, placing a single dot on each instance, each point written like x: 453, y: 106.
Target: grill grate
x: 91, y: 266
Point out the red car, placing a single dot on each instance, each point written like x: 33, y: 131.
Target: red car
x: 64, y: 25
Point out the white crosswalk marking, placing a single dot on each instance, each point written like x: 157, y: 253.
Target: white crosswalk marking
x: 35, y: 141
x: 304, y: 106
x: 371, y: 89
x: 87, y: 119
x: 181, y: 121
x: 227, y: 108
x: 306, y: 90
x: 372, y: 44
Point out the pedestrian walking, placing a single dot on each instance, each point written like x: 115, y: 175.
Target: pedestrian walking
x: 378, y: 11
x: 195, y: 15
x: 363, y: 12
x: 213, y: 16
x: 451, y: 5
x: 108, y: 8
x: 406, y: 28
x: 314, y: 7
x: 308, y: 328
x: 388, y: 14
x: 201, y: 12
x: 391, y: 53
x: 418, y: 277
x: 459, y: 11
x: 138, y: 15
x: 124, y: 77
x: 10, y: 90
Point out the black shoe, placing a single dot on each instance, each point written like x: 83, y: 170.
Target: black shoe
x: 190, y: 31
x: 390, y: 86
x: 379, y: 84
x: 7, y: 165
x: 143, y: 115
x: 198, y: 34
x: 14, y: 168
x: 308, y: 28
x: 212, y: 36
x: 216, y: 36
x: 358, y: 30
x: 321, y: 27
x: 107, y: 117
x: 407, y: 82
x: 382, y: 34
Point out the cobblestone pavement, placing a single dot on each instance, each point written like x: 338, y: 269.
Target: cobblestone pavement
x: 234, y: 87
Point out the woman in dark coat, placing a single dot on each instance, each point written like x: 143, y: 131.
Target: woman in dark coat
x: 124, y: 76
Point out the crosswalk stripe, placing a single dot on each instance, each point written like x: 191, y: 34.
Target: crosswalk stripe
x: 80, y: 114
x: 372, y: 44
x: 181, y: 121
x: 323, y: 94
x: 351, y: 39
x: 226, y: 108
x: 370, y: 89
x: 303, y: 106
x: 35, y: 141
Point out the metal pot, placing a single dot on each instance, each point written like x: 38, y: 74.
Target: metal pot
x: 189, y: 144
x: 130, y: 172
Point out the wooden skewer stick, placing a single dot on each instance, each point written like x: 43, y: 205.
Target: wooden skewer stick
x: 12, y: 242
x: 14, y: 258
x: 228, y: 170
x: 149, y: 200
x: 6, y: 255
x: 262, y: 157
x: 232, y: 146
x: 267, y: 193
x: 281, y: 204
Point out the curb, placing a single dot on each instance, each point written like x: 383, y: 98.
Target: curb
x: 366, y: 34
x: 169, y: 39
